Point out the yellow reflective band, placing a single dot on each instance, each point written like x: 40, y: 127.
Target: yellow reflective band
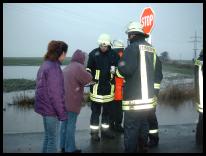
x: 140, y: 101
x: 101, y: 96
x: 154, y: 103
x: 95, y: 87
x: 101, y: 100
x: 138, y: 107
x: 154, y: 63
x: 199, y: 108
x: 153, y: 131
x: 112, y: 89
x: 143, y: 73
x: 112, y: 76
x: 198, y: 62
x: 156, y: 85
x: 94, y: 127
x: 118, y: 74
x: 88, y: 69
x: 97, y: 73
x: 105, y: 126
x: 200, y: 87
x: 199, y: 105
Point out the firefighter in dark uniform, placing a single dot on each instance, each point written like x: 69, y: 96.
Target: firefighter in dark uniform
x: 137, y: 66
x: 199, y: 97
x: 117, y: 113
x: 102, y: 63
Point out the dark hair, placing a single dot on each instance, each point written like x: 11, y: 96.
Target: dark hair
x: 55, y: 49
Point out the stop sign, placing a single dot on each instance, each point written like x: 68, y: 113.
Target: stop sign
x: 147, y: 19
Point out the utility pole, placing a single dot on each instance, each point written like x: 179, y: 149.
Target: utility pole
x: 195, y: 41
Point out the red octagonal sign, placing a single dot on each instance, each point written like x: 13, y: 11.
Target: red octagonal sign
x: 147, y: 19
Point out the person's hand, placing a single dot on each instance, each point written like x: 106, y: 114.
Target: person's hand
x: 91, y: 83
x: 112, y: 69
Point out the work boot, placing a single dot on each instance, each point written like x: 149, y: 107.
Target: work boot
x: 107, y: 134
x: 119, y: 128
x: 95, y: 136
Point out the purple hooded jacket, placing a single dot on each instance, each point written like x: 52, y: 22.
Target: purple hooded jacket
x: 75, y: 78
x: 49, y: 95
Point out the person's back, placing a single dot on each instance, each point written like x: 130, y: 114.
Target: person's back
x: 49, y: 94
x: 75, y: 78
x: 137, y: 66
x: 139, y: 72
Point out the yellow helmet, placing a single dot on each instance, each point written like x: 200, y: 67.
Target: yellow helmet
x: 104, y: 39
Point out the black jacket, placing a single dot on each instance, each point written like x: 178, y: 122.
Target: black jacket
x: 99, y: 65
x: 142, y: 70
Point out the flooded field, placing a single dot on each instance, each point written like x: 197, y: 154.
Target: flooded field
x: 16, y: 120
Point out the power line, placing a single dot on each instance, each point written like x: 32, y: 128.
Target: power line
x: 195, y: 41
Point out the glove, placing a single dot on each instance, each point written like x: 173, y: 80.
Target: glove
x: 112, y: 69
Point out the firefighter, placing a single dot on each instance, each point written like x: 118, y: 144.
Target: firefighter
x: 137, y: 66
x: 101, y: 63
x: 199, y: 97
x: 117, y: 113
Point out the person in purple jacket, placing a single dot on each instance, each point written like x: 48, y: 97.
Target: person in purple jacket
x: 49, y: 94
x: 75, y: 78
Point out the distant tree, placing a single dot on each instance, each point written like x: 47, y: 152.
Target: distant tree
x: 164, y: 56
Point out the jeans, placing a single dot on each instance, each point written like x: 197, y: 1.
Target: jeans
x: 136, y: 127
x: 51, y: 125
x: 67, y: 132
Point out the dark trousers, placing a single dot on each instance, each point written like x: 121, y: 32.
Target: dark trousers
x: 116, y: 113
x: 135, y: 127
x: 199, y: 130
x: 153, y: 125
x: 96, y: 111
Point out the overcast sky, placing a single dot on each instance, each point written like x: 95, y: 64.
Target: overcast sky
x: 27, y: 28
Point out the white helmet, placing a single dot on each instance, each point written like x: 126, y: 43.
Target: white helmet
x: 118, y: 44
x: 104, y: 39
x: 135, y: 28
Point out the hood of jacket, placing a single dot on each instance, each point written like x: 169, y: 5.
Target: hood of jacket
x: 78, y: 56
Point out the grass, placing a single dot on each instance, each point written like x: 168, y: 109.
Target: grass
x: 10, y: 85
x: 23, y: 102
x: 175, y: 95
x: 27, y: 61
